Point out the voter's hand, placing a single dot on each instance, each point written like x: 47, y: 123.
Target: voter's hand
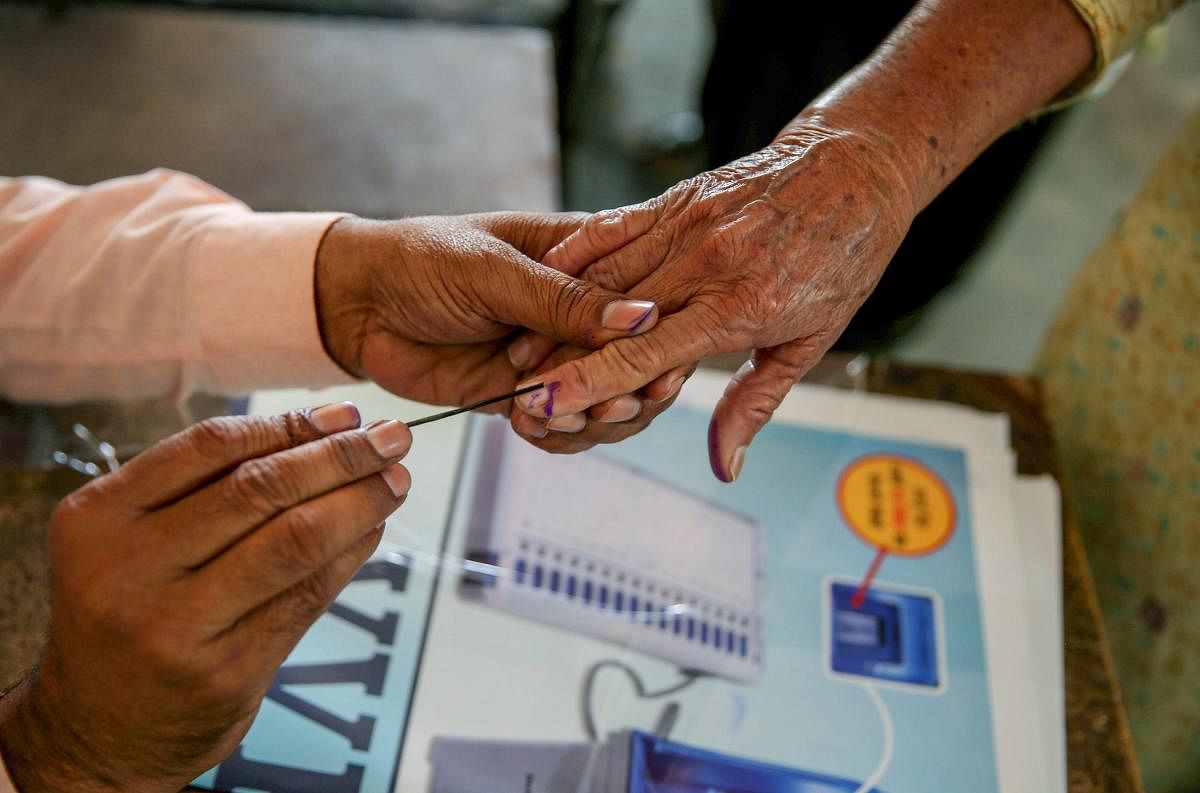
x: 771, y: 254
x: 181, y: 582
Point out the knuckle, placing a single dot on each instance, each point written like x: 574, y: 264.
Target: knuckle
x: 158, y: 648
x: 759, y: 406
x: 633, y: 358
x: 260, y: 485
x: 568, y: 302
x: 578, y: 377
x: 313, y: 595
x: 733, y: 320
x: 718, y: 329
x: 227, y: 693
x: 294, y: 428
x: 226, y: 683
x: 348, y: 453
x: 302, y: 540
x: 720, y: 248
x: 216, y: 436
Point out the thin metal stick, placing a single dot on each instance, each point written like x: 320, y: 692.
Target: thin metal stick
x: 482, y: 403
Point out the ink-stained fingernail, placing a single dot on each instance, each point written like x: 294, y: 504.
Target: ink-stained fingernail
x: 623, y: 408
x: 736, y: 461
x: 540, y: 402
x: 673, y: 388
x: 519, y: 352
x: 570, y: 423
x: 337, y: 417
x: 398, y: 479
x: 627, y: 315
x: 389, y: 438
x: 530, y: 427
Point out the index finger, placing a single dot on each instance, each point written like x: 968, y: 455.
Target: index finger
x: 190, y: 459
x: 625, y: 365
x: 601, y: 235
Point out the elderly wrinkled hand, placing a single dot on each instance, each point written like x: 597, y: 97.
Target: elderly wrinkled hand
x: 772, y: 253
x: 180, y: 582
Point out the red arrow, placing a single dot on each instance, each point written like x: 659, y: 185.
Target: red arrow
x: 861, y: 594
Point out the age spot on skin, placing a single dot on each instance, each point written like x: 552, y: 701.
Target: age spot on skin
x: 933, y: 142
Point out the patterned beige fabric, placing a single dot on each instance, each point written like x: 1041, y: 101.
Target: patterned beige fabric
x: 1116, y: 25
x: 1121, y: 369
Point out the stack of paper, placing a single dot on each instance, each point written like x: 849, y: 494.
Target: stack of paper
x: 896, y: 584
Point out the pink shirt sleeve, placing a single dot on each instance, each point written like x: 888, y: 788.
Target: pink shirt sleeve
x: 154, y: 285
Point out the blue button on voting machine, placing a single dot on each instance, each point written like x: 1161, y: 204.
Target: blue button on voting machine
x: 891, y: 637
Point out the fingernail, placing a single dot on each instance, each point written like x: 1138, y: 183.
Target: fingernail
x: 623, y: 408
x: 673, y: 388
x: 570, y: 423
x: 518, y: 353
x: 337, y: 417
x: 540, y: 401
x: 627, y: 315
x: 735, y: 462
x: 389, y: 438
x: 397, y: 478
x: 530, y: 427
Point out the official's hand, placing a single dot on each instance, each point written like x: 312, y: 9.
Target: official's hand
x: 426, y: 306
x: 181, y: 582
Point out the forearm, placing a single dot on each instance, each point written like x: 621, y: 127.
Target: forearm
x: 952, y: 77
x: 153, y: 285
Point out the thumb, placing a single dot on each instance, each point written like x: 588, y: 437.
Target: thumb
x: 577, y: 312
x: 749, y: 401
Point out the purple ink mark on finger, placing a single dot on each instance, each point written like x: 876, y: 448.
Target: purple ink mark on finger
x: 641, y: 320
x: 551, y: 388
x: 714, y: 453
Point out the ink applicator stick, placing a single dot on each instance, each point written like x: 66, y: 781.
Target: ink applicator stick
x: 475, y: 406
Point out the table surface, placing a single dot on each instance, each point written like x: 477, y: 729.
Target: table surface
x: 1099, y: 748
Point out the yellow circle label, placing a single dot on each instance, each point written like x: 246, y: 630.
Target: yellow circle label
x: 896, y: 503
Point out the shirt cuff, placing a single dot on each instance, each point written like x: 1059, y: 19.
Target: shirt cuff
x: 1116, y: 26
x: 255, y: 305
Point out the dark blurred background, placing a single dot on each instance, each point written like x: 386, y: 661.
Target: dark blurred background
x: 387, y: 107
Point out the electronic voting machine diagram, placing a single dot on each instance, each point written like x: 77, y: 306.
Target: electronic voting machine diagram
x: 842, y: 619
x: 595, y: 546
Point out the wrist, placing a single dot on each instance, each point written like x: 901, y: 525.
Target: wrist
x: 40, y: 753
x: 342, y: 289
x: 862, y: 153
x: 950, y: 79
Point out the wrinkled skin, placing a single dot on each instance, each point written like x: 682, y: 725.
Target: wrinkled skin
x: 426, y: 306
x: 180, y: 583
x: 772, y: 253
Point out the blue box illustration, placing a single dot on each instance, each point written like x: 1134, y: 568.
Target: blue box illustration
x: 892, y: 637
